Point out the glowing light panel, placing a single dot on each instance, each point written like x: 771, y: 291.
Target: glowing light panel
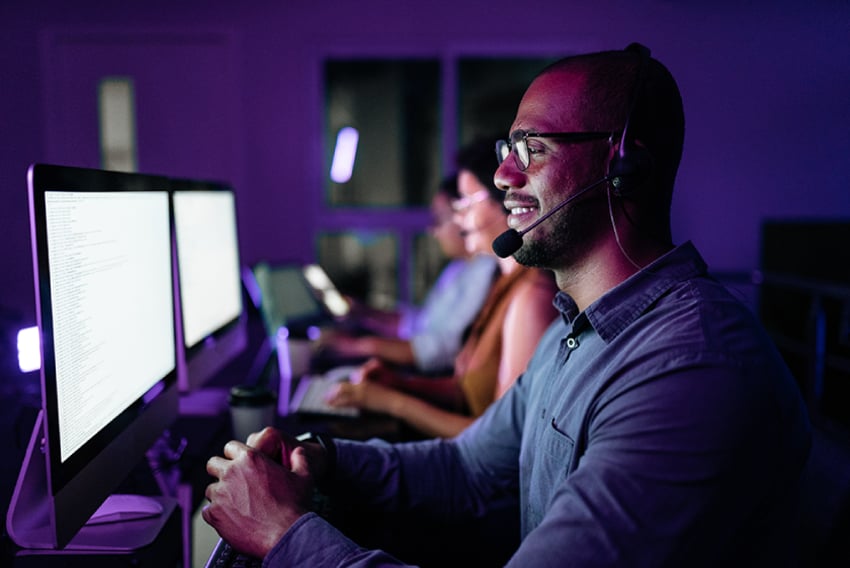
x: 29, y: 350
x: 344, y: 153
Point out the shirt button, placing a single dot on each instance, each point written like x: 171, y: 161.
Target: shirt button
x: 572, y: 342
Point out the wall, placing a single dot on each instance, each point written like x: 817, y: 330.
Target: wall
x: 766, y: 87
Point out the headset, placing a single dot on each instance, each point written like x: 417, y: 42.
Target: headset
x: 631, y: 165
x: 628, y: 168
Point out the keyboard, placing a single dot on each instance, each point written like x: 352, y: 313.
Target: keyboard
x: 225, y: 556
x: 312, y: 391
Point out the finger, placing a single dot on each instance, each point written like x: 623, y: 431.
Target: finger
x: 371, y: 365
x: 215, y: 466
x: 300, y: 465
x: 253, y: 439
x: 210, y: 492
x: 337, y: 395
x: 205, y: 514
x: 234, y: 448
x: 266, y: 441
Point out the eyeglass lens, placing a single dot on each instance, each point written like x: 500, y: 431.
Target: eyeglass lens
x: 519, y: 143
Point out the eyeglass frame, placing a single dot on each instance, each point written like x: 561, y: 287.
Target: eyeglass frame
x: 519, y: 139
x: 462, y: 204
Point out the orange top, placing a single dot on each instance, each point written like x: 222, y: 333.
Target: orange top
x: 477, y: 364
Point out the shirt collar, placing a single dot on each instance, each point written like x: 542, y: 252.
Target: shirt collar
x: 623, y: 304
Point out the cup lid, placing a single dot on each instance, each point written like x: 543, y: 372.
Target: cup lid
x: 250, y: 395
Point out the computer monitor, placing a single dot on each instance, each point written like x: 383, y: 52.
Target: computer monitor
x: 102, y: 260
x: 212, y: 326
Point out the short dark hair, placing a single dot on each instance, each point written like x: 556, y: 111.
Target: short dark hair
x: 479, y: 158
x: 448, y: 187
x: 658, y: 120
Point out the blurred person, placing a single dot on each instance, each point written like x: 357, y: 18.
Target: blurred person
x: 427, y: 337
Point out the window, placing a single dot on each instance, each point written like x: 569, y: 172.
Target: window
x: 394, y: 106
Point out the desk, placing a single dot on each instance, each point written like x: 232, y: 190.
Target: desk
x: 165, y: 551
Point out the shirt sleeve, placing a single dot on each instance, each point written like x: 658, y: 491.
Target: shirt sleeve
x: 452, y: 305
x: 312, y: 541
x: 413, y: 476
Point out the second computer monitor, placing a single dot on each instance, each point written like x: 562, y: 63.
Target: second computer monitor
x: 213, y: 321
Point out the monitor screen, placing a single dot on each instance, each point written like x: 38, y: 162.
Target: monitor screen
x: 102, y: 258
x: 334, y: 301
x: 287, y: 299
x: 214, y: 328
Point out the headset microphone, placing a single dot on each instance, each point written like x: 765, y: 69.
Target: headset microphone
x: 511, y: 240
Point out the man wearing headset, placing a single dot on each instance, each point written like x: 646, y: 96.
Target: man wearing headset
x: 655, y: 425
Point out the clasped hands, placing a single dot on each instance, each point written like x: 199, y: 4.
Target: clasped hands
x: 261, y: 488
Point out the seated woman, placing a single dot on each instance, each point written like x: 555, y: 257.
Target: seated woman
x: 516, y: 312
x: 427, y: 337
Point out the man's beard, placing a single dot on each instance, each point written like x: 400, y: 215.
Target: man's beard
x: 571, y: 232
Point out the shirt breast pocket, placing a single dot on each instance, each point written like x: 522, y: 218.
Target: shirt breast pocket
x: 551, y: 468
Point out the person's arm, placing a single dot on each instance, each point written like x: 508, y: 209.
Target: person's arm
x: 312, y: 541
x: 449, y: 479
x: 426, y: 417
x: 390, y: 349
x: 528, y: 316
x: 429, y: 419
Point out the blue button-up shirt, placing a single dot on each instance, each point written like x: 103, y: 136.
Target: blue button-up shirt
x: 659, y: 427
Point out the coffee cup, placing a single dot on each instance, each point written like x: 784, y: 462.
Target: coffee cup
x: 252, y: 408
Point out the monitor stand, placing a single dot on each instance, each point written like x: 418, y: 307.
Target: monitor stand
x: 28, y: 520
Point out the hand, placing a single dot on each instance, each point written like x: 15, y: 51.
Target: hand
x: 377, y: 370
x: 255, y: 498
x: 369, y: 389
x: 275, y: 444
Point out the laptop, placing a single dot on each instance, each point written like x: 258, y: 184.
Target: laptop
x: 311, y: 389
x: 298, y: 297
x: 311, y: 393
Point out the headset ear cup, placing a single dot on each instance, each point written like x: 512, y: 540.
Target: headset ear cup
x: 631, y: 164
x: 629, y: 169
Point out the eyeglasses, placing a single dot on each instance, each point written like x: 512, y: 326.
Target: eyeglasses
x: 464, y: 203
x: 519, y: 142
